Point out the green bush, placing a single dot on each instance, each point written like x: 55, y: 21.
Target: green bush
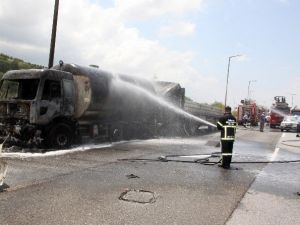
x: 9, y: 63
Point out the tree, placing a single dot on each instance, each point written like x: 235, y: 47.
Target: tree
x: 218, y: 105
x: 9, y: 63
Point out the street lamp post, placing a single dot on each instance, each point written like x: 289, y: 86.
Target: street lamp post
x: 53, y: 35
x: 249, y: 87
x: 292, y: 94
x: 229, y: 58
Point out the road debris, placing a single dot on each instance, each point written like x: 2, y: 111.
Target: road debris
x: 130, y: 176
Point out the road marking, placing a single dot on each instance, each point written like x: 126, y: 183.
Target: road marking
x: 275, y: 153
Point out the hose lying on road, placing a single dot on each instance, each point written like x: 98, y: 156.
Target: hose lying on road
x: 204, y: 160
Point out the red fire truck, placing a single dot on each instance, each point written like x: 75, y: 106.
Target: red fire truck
x: 279, y: 109
x: 248, y: 107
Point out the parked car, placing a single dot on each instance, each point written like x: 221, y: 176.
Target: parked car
x: 290, y: 123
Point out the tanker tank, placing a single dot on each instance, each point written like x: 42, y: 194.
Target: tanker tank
x: 101, y: 98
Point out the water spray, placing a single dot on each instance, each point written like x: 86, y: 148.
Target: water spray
x: 279, y: 112
x: 132, y: 87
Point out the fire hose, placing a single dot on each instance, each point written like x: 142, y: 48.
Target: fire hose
x: 205, y: 160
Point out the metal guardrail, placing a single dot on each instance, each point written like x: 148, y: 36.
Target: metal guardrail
x: 199, y: 109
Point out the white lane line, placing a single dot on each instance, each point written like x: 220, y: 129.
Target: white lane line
x: 275, y: 153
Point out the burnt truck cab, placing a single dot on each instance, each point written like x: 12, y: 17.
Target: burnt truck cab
x: 32, y: 102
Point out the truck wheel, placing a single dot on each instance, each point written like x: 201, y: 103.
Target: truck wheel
x: 60, y: 136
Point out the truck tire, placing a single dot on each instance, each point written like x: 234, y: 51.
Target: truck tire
x: 60, y: 136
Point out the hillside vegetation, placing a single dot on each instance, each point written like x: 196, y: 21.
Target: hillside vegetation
x: 9, y: 63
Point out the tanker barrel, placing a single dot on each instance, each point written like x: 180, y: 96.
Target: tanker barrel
x: 100, y: 96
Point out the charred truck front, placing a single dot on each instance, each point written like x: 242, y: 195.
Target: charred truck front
x: 31, y: 104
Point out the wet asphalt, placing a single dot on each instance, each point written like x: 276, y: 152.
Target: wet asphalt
x: 274, y: 196
x: 85, y: 187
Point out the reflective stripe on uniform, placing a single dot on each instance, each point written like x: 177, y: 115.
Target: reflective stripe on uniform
x: 228, y: 139
x: 226, y: 154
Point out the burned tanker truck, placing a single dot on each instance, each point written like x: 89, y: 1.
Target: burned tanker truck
x: 70, y: 104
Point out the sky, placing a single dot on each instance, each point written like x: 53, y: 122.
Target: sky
x: 188, y: 42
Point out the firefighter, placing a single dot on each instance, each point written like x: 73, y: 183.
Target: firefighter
x: 245, y: 120
x: 227, y: 126
x: 262, y: 122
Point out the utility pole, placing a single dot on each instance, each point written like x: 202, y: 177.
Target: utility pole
x: 292, y: 94
x: 53, y: 35
x: 249, y: 87
x: 229, y: 58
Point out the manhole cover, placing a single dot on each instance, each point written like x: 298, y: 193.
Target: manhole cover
x: 138, y: 196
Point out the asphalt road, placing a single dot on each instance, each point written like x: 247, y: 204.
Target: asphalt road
x: 84, y: 187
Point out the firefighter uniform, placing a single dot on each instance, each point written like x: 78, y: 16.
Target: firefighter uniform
x: 227, y: 126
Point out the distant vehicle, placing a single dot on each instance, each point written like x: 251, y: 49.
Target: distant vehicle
x: 249, y: 108
x: 290, y: 123
x: 295, y: 111
x: 278, y: 111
